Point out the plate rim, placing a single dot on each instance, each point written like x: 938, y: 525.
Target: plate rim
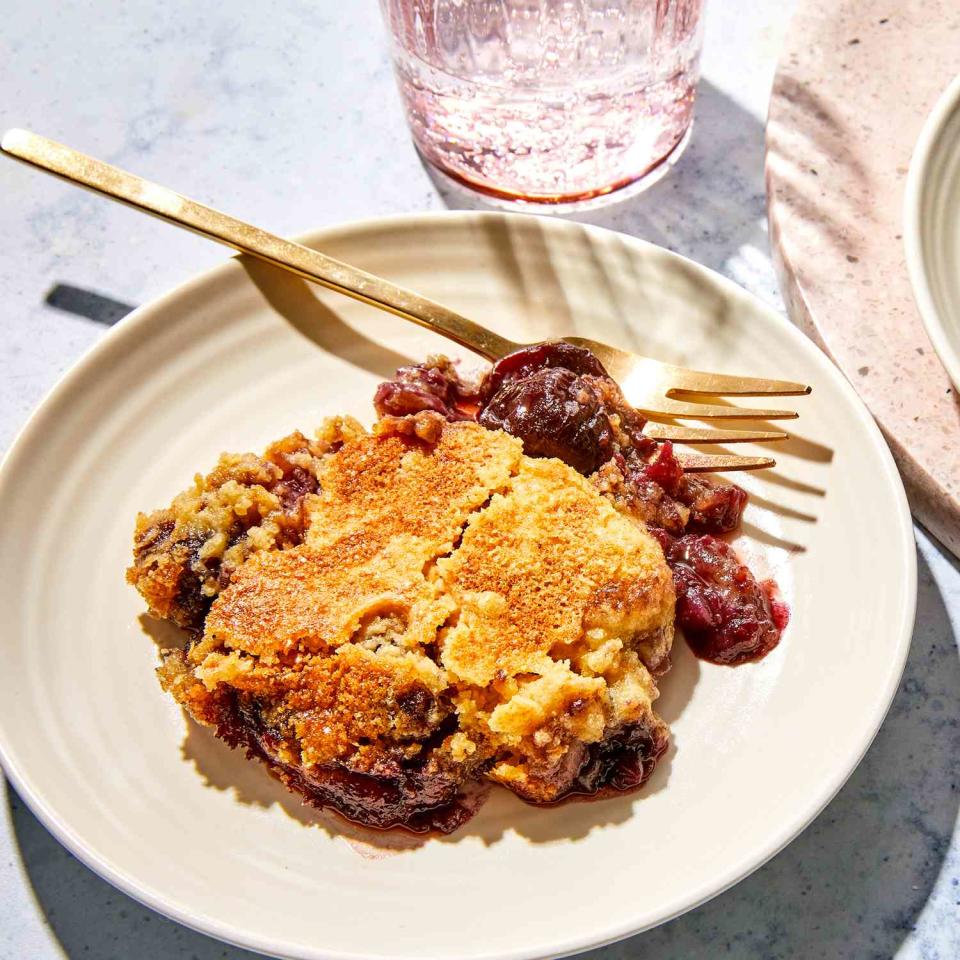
x: 127, y: 329
x: 948, y: 103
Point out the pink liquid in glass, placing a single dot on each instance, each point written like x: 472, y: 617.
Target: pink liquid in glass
x: 547, y: 100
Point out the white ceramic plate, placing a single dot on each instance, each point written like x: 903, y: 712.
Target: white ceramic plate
x: 932, y: 227
x: 242, y: 355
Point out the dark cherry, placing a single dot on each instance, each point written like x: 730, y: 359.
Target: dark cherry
x: 556, y: 413
x: 423, y: 387
x: 624, y: 761
x: 294, y: 486
x: 664, y: 469
x: 191, y: 605
x: 714, y: 507
x: 725, y: 615
x: 542, y: 356
x: 665, y: 538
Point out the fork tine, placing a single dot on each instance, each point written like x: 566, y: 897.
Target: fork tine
x: 645, y: 376
x: 720, y: 384
x: 668, y: 407
x: 669, y: 431
x: 625, y: 367
x: 723, y: 463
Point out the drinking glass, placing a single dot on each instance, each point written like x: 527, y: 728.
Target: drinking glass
x: 548, y: 101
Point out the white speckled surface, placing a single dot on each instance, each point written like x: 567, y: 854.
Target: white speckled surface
x: 855, y: 83
x: 286, y: 115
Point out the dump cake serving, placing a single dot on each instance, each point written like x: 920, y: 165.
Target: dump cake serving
x: 483, y: 587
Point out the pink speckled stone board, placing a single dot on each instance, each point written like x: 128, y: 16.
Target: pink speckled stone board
x: 855, y: 83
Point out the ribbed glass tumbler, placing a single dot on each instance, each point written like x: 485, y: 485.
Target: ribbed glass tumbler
x: 549, y: 101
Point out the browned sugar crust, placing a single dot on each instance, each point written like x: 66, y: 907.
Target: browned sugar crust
x: 450, y: 609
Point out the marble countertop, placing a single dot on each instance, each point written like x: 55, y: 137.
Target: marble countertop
x: 288, y: 117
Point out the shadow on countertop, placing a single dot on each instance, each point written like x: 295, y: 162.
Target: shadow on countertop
x: 87, y: 303
x: 709, y: 207
x: 862, y: 872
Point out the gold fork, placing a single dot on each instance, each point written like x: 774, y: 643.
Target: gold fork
x: 652, y: 387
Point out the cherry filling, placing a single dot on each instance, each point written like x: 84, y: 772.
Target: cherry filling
x: 418, y: 794
x: 726, y: 616
x: 560, y: 401
x: 398, y: 793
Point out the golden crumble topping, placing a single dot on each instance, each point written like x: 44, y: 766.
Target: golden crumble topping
x: 428, y: 607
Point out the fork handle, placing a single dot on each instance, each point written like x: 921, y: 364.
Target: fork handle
x: 128, y: 188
